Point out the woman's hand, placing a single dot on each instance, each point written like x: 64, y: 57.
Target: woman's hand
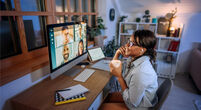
x: 122, y: 50
x: 116, y: 68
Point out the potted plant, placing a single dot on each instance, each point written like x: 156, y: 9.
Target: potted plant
x: 110, y: 49
x: 96, y: 33
x: 100, y: 26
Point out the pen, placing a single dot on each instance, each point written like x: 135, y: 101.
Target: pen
x: 62, y: 90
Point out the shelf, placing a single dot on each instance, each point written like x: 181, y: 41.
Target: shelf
x: 165, y: 70
x: 160, y: 61
x: 126, y: 34
x: 137, y: 23
x: 165, y: 37
x: 165, y: 51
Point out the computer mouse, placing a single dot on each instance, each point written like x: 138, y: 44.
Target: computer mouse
x: 83, y: 66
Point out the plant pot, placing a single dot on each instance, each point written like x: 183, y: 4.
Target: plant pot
x: 147, y: 20
x: 98, y: 41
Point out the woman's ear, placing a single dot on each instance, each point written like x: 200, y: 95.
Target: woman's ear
x: 143, y: 50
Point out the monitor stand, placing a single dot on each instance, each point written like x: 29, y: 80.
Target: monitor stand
x: 73, y: 71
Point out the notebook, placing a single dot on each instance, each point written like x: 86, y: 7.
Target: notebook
x: 60, y: 100
x: 73, y: 91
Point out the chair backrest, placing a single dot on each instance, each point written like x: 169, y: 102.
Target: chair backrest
x: 162, y: 93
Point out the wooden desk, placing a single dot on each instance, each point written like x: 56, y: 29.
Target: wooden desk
x: 41, y: 96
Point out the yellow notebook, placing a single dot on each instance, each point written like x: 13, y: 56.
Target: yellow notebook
x: 60, y: 100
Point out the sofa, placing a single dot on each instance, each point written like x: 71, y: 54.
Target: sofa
x: 195, y: 67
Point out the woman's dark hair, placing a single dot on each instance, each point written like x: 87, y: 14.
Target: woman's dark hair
x: 81, y: 41
x: 146, y: 39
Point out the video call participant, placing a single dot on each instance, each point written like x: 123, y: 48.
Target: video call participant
x: 139, y: 80
x: 80, y: 32
x: 66, y: 35
x: 80, y: 47
x: 65, y: 53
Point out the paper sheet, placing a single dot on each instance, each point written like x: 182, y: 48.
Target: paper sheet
x: 102, y: 65
x: 74, y: 90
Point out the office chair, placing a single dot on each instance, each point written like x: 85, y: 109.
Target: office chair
x: 162, y: 93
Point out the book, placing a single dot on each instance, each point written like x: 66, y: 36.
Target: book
x: 176, y: 32
x: 72, y: 91
x: 173, y: 46
x: 60, y: 100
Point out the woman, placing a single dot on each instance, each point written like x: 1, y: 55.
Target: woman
x: 80, y: 47
x: 139, y: 81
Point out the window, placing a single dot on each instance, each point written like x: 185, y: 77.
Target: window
x: 7, y: 5
x: 74, y: 5
x: 35, y: 31
x: 32, y: 5
x: 75, y: 18
x: 61, y: 6
x: 84, y: 5
x: 61, y: 19
x: 93, y: 7
x: 9, y: 37
x: 23, y: 31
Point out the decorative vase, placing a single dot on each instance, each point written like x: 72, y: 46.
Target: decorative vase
x: 147, y: 20
x: 138, y: 20
x: 98, y: 41
x: 154, y: 20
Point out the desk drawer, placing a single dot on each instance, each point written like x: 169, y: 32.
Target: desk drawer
x: 97, y: 102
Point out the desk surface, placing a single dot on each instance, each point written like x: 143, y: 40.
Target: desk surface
x: 41, y: 96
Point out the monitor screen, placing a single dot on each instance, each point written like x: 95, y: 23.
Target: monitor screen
x: 67, y: 41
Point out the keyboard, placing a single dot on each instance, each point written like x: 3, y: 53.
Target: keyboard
x: 84, y: 75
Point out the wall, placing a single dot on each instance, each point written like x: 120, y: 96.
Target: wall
x: 104, y: 7
x: 191, y: 35
x: 15, y: 87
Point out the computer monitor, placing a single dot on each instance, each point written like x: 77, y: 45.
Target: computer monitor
x: 67, y: 45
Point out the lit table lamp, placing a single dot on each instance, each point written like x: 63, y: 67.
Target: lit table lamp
x: 172, y: 29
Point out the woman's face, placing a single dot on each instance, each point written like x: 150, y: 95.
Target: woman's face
x: 81, y: 48
x: 65, y: 35
x: 133, y: 50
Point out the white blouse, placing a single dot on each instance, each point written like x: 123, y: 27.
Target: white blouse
x: 141, y: 80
